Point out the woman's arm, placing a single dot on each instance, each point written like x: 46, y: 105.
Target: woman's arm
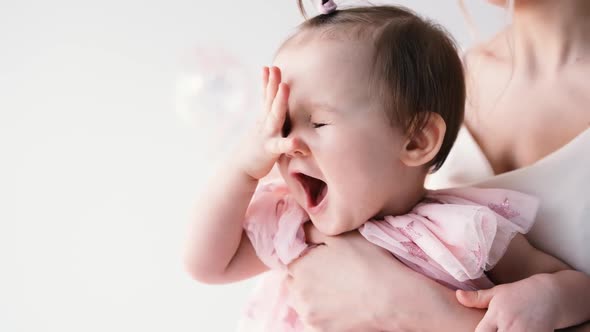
x: 537, y: 291
x: 540, y: 303
x: 349, y: 284
x: 572, y: 291
x: 522, y: 260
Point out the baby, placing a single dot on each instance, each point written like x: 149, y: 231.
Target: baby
x: 360, y: 105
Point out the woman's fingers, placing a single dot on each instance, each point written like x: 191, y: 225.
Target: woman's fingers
x: 486, y: 325
x: 476, y: 299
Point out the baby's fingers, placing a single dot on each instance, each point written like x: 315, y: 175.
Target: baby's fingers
x: 274, y: 79
x: 265, y: 74
x: 278, y: 112
x: 280, y: 145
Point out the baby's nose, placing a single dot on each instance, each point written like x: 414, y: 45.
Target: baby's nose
x: 298, y: 149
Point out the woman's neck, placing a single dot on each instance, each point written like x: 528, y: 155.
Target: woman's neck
x: 548, y: 35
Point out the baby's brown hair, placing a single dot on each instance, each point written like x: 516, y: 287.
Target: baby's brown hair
x: 416, y: 66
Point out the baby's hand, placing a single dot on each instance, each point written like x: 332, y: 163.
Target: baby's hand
x: 267, y: 143
x: 525, y: 305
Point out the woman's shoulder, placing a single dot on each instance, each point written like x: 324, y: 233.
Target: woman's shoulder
x: 487, y: 66
x: 494, y: 50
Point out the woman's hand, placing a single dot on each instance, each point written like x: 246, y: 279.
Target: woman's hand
x: 525, y: 305
x: 348, y: 284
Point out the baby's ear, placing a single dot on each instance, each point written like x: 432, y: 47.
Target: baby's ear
x: 423, y: 146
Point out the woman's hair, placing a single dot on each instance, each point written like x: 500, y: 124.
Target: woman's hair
x: 416, y: 68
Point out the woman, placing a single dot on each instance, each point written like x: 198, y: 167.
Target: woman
x: 527, y: 123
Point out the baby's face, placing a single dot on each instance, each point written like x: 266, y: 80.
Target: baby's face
x: 347, y: 168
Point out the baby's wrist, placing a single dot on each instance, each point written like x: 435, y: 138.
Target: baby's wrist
x: 252, y: 169
x: 248, y: 177
x: 236, y: 169
x: 245, y: 170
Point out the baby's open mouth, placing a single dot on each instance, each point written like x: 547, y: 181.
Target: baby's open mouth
x: 315, y: 189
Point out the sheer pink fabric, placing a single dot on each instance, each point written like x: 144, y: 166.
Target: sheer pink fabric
x: 453, y: 236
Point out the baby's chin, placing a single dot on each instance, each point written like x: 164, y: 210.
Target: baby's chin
x: 333, y: 229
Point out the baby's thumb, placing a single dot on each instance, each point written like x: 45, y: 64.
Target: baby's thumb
x: 280, y: 145
x: 475, y: 299
x: 277, y: 145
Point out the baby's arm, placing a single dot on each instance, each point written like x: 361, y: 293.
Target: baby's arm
x: 527, y: 271
x: 218, y: 249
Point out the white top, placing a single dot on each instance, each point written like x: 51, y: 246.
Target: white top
x: 561, y: 181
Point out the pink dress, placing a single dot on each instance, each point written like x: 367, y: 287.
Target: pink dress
x: 453, y: 236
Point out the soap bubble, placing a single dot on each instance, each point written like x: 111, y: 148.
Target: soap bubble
x: 216, y: 95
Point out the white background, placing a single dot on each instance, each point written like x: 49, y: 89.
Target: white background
x: 98, y: 173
